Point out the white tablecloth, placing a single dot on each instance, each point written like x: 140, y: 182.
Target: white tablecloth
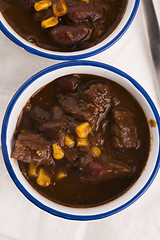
x: 19, y: 218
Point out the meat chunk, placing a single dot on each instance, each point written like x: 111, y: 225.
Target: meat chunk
x: 98, y: 170
x: 71, y: 154
x: 70, y: 34
x: 57, y: 113
x: 83, y: 12
x: 50, y: 125
x: 38, y: 114
x: 54, y: 130
x: 100, y: 95
x: 87, y: 105
x: 73, y: 105
x: 55, y: 127
x: 32, y: 148
x: 71, y: 125
x: 77, y: 107
x: 124, y: 129
x: 85, y: 158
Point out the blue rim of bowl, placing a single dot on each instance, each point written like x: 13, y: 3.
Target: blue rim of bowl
x: 78, y: 55
x: 7, y: 158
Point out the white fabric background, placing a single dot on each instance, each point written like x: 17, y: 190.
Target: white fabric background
x: 19, y: 218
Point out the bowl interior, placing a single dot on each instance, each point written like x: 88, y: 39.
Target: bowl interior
x: 129, y: 14
x: 41, y: 79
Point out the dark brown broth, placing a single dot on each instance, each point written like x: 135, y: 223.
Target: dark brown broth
x: 71, y: 191
x: 22, y: 21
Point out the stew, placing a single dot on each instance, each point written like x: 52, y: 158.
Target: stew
x: 63, y: 25
x: 82, y: 140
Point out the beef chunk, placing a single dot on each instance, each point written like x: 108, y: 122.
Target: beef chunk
x: 71, y: 154
x: 78, y: 108
x: 98, y: 170
x: 39, y: 114
x: 85, y: 159
x: 83, y: 12
x: 87, y: 105
x: 57, y: 113
x: 100, y: 95
x: 73, y: 105
x: 32, y: 148
x: 55, y: 127
x: 124, y: 129
x: 71, y: 125
x: 50, y: 125
x: 69, y: 34
x: 54, y: 130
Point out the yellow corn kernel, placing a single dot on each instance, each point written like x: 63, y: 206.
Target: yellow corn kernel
x: 68, y: 141
x: 96, y: 151
x: 38, y: 6
x: 61, y: 175
x: 32, y: 170
x: 50, y: 22
x: 86, y: 1
x: 57, y: 151
x: 83, y: 130
x: 82, y: 142
x: 38, y: 153
x: 43, y: 178
x: 60, y: 8
x: 55, y: 108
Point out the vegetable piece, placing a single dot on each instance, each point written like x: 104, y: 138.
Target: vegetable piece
x: 61, y: 175
x: 59, y: 8
x: 82, y: 142
x: 68, y: 83
x: 83, y: 12
x: 70, y: 33
x: 50, y: 22
x: 32, y: 170
x: 43, y: 178
x: 38, y: 6
x: 83, y: 130
x: 68, y: 141
x: 96, y: 152
x: 57, y: 151
x: 86, y: 1
x: 39, y: 153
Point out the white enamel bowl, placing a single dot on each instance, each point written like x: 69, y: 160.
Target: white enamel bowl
x: 42, y: 78
x: 126, y: 21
